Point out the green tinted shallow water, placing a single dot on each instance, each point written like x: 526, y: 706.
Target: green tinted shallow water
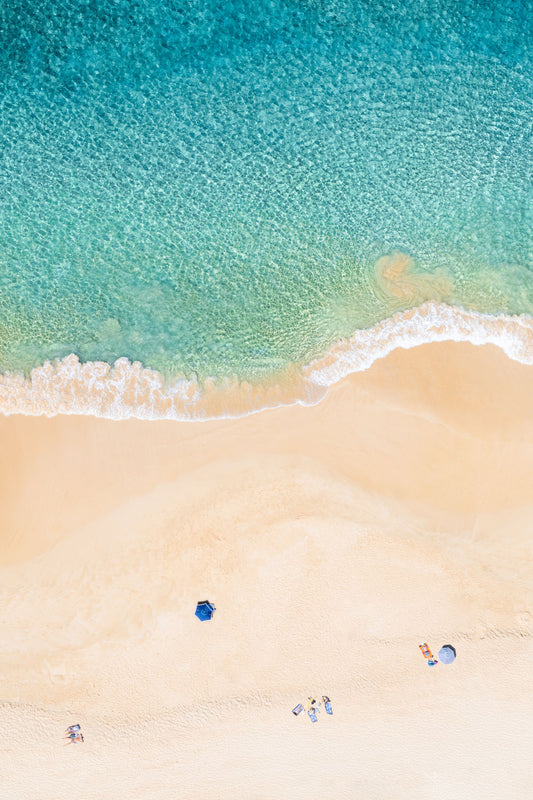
x: 208, y: 187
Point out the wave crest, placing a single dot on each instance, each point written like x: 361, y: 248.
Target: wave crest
x: 128, y: 389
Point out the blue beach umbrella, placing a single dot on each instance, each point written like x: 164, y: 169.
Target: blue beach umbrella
x: 204, y: 610
x: 447, y: 654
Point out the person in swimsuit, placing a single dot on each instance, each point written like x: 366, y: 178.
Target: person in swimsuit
x: 73, y: 729
x: 74, y: 737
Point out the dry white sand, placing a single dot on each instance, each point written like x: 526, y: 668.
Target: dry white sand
x: 333, y: 540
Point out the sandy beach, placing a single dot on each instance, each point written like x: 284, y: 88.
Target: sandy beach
x: 333, y: 539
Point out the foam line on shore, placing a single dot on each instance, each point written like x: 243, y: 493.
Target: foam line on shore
x: 128, y: 389
x: 430, y: 322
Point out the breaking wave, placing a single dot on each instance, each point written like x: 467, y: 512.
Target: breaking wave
x: 129, y: 390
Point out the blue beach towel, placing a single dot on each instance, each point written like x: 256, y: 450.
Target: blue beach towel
x: 312, y: 715
x: 296, y: 710
x: 327, y: 704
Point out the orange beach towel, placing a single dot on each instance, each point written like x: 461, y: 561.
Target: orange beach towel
x: 426, y: 652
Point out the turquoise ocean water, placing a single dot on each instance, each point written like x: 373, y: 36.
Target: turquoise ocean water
x: 207, y: 187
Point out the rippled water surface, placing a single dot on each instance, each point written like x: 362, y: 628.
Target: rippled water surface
x: 228, y: 188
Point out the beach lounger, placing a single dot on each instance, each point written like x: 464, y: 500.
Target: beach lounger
x: 426, y: 652
x: 327, y: 705
x: 312, y: 714
x: 296, y: 710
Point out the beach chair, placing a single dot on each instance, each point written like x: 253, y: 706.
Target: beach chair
x: 327, y: 705
x: 297, y: 709
x: 426, y: 652
x: 312, y: 714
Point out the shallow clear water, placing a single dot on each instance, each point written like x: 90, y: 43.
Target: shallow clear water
x: 207, y: 187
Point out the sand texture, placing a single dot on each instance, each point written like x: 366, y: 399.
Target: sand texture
x: 333, y: 539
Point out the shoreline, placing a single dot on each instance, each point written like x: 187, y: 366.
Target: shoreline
x: 128, y: 390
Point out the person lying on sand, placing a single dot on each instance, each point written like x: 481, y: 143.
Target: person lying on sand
x: 74, y: 738
x: 327, y: 704
x: 73, y: 729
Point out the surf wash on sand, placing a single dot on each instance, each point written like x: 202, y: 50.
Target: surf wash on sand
x: 127, y: 390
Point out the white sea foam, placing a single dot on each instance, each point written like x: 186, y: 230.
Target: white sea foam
x: 430, y: 322
x: 130, y: 390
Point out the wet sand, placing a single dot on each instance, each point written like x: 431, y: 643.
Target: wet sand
x: 333, y: 539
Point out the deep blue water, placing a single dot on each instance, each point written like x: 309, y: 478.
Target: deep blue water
x: 207, y: 187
